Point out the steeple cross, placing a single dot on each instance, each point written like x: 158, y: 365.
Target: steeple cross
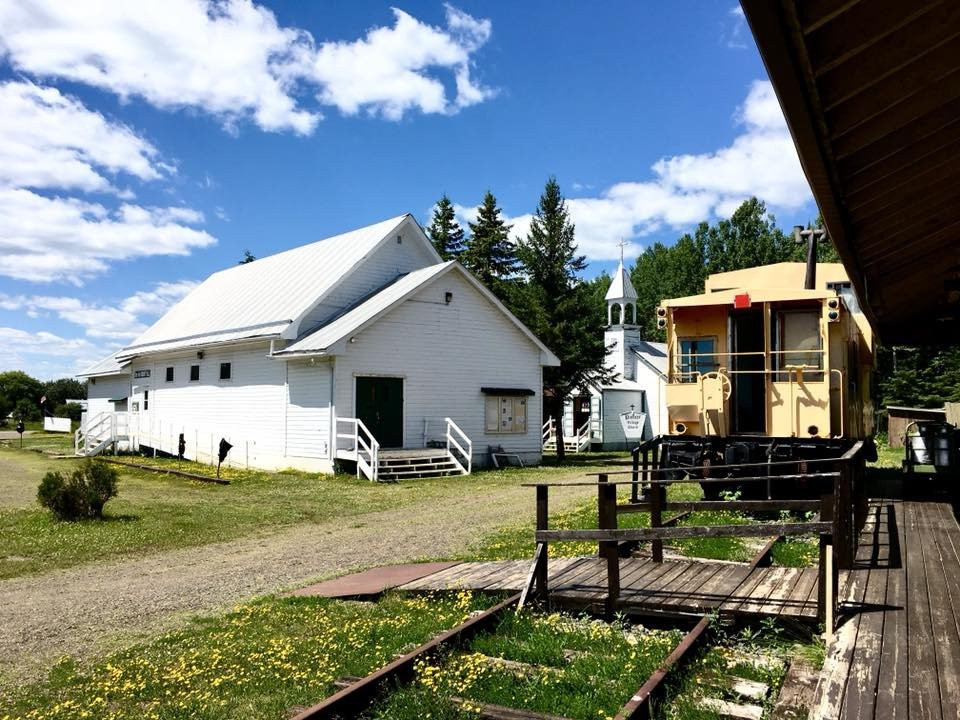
x: 622, y: 244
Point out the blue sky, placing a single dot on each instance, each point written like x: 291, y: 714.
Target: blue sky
x: 144, y: 146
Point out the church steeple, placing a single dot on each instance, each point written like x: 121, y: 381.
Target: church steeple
x: 621, y: 294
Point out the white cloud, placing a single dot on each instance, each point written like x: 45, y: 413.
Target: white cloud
x: 45, y: 239
x: 106, y: 327
x: 232, y: 59
x: 50, y: 140
x: 46, y: 355
x: 761, y: 161
x: 123, y: 321
x: 51, y: 145
x: 734, y: 34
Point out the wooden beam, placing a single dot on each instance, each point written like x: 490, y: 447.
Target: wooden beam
x: 814, y: 14
x: 749, y: 505
x: 905, y: 87
x: 908, y: 44
x: 687, y: 531
x: 903, y: 168
x: 488, y: 711
x: 776, y: 28
x: 859, y: 29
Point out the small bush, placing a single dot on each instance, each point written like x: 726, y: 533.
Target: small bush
x: 81, y: 495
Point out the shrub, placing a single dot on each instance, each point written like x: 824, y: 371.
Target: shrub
x: 81, y: 495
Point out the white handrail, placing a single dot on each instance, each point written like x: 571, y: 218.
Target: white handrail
x: 547, y: 432
x: 583, y: 436
x: 372, y: 447
x: 466, y: 452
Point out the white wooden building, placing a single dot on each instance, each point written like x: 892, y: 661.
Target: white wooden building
x: 364, y: 347
x: 593, y: 419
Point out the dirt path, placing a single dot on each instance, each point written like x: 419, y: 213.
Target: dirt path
x: 89, y: 609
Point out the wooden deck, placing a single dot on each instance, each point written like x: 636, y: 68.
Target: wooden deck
x: 672, y: 586
x: 898, y: 653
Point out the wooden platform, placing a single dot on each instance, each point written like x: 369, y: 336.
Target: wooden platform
x: 898, y: 653
x: 673, y: 586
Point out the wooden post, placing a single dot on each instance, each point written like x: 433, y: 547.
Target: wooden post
x: 542, y: 524
x: 607, y: 520
x: 860, y: 495
x: 827, y: 588
x: 843, y: 517
x: 634, y: 475
x: 657, y: 494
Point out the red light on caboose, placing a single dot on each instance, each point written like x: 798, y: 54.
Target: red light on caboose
x: 742, y: 301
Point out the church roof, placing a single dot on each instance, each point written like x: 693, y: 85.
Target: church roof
x: 621, y: 288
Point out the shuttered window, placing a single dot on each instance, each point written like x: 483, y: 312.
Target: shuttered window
x: 506, y: 414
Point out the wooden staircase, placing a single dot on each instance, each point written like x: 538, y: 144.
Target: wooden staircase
x: 577, y: 443
x: 405, y: 464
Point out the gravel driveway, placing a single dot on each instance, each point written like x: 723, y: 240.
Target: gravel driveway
x: 90, y: 609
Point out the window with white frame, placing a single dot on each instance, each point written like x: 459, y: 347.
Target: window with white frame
x: 506, y: 414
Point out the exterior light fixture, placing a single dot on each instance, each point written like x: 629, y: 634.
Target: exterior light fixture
x: 200, y: 355
x: 448, y: 297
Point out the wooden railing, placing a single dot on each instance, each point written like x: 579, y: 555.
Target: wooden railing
x: 841, y: 516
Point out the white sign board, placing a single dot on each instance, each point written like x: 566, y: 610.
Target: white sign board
x: 55, y: 424
x: 633, y: 424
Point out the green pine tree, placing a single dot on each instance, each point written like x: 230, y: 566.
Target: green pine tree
x: 444, y: 231
x: 562, y: 318
x: 489, y: 254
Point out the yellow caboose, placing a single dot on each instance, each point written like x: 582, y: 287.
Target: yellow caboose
x: 763, y: 368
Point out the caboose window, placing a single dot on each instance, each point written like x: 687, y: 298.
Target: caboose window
x: 697, y: 356
x: 799, y: 339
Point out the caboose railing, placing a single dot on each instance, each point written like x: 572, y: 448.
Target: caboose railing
x: 712, y: 360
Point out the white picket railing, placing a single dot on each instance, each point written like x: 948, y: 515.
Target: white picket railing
x: 466, y: 453
x: 361, y: 447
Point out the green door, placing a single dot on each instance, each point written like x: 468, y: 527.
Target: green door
x: 380, y: 407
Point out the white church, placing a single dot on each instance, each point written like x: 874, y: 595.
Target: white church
x: 364, y: 347
x: 617, y: 416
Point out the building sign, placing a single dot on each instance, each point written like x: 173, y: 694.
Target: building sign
x: 141, y: 374
x: 633, y: 424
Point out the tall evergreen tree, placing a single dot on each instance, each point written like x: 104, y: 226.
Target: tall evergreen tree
x: 489, y: 254
x: 444, y: 231
x: 561, y: 303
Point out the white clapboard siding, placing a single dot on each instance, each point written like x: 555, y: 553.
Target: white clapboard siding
x: 102, y: 389
x: 308, y: 409
x: 389, y: 261
x: 445, y: 353
x: 248, y: 408
x: 614, y: 403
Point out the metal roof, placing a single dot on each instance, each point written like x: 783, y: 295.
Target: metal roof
x: 262, y: 298
x: 323, y: 340
x: 108, y: 366
x: 871, y: 95
x: 621, y: 288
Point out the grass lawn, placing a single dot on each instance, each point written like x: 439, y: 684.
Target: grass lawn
x: 161, y: 512
x: 40, y: 441
x: 604, y: 670
x: 258, y: 661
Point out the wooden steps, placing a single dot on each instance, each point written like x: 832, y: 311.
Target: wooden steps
x: 409, y: 464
